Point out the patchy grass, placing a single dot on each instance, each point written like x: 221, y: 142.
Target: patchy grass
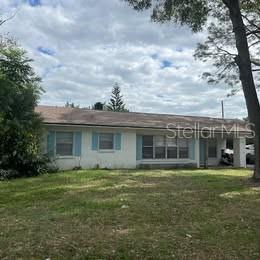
x: 158, y: 214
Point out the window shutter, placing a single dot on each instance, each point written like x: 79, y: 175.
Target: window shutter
x: 94, y: 141
x: 51, y: 143
x: 117, y: 141
x: 77, y: 143
x: 192, y: 149
x: 139, y: 144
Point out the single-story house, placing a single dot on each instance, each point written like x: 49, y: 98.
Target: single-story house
x: 86, y: 138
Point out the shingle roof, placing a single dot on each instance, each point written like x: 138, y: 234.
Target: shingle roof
x: 79, y: 116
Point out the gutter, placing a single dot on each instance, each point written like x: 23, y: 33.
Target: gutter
x: 138, y: 128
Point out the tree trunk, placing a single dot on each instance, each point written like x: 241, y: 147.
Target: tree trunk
x: 246, y: 76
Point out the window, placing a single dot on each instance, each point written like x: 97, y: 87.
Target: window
x: 183, y: 148
x: 106, y: 141
x: 160, y: 147
x: 64, y: 143
x: 212, y: 148
x: 147, y: 147
x: 159, y: 144
x: 171, y: 148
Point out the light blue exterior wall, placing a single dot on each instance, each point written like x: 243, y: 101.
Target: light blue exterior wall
x: 127, y: 152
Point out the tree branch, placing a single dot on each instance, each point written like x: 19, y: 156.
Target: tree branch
x: 9, y: 18
x: 254, y: 32
x: 255, y: 62
x: 227, y: 52
x: 224, y: 69
x: 251, y: 22
x: 254, y: 43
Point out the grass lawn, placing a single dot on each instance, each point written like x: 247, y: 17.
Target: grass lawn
x: 142, y: 214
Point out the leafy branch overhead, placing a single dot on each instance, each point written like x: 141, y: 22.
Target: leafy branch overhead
x: 191, y: 13
x: 219, y: 48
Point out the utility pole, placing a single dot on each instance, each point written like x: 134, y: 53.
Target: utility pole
x: 222, y: 108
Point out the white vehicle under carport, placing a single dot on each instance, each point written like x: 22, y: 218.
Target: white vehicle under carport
x: 250, y: 154
x: 227, y: 156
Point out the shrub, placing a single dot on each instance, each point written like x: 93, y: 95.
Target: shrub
x: 77, y: 168
x: 51, y: 167
x: 31, y: 166
x: 28, y: 168
x: 20, y: 126
x: 8, y: 174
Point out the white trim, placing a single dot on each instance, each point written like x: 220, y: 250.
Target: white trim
x: 66, y: 157
x: 166, y: 161
x: 106, y: 150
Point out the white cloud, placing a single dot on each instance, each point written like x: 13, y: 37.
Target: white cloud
x: 96, y: 43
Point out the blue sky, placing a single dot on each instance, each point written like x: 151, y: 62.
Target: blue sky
x: 34, y: 2
x: 166, y: 64
x: 80, y: 49
x: 46, y: 51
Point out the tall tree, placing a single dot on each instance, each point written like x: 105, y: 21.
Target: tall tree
x: 20, y: 126
x: 234, y: 34
x: 116, y: 102
x: 98, y: 106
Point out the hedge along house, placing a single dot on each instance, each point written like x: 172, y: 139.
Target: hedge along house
x: 86, y: 138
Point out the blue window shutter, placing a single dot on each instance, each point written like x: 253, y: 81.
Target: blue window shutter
x: 94, y: 141
x: 77, y: 143
x: 117, y: 141
x: 139, y: 144
x: 192, y: 149
x: 51, y: 143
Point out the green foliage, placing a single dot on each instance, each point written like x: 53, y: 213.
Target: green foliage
x: 190, y: 12
x: 98, y: 106
x: 20, y: 126
x: 131, y: 214
x: 8, y: 174
x: 116, y: 102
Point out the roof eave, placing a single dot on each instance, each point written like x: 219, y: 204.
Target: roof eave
x: 138, y: 127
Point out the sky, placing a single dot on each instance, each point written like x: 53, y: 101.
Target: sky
x: 81, y: 48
